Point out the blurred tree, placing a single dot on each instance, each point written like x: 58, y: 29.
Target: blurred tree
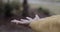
x: 1, y: 5
x: 11, y: 7
x: 1, y: 9
x: 25, y: 9
x: 8, y: 9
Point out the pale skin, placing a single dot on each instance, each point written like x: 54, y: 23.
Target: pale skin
x: 48, y: 24
x: 24, y: 21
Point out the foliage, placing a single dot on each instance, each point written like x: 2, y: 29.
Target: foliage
x: 13, y: 6
x: 43, y: 10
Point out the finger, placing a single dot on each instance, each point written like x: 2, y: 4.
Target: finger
x: 20, y: 22
x: 29, y: 18
x: 36, y: 17
x: 24, y: 20
x: 15, y: 21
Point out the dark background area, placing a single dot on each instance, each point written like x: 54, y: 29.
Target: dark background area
x: 6, y: 15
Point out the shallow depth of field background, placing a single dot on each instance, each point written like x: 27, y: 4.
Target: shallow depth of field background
x: 43, y: 8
